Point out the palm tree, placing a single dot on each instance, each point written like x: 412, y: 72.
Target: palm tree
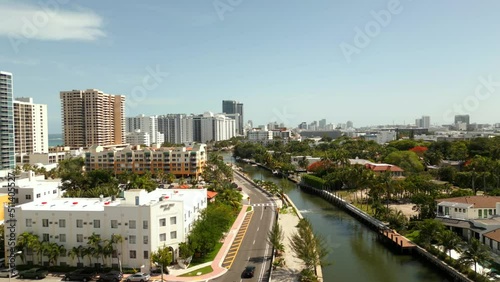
x: 450, y: 241
x: 28, y: 243
x: 53, y: 251
x: 115, y: 239
x: 475, y: 253
x: 88, y: 252
x: 275, y: 237
x: 76, y: 252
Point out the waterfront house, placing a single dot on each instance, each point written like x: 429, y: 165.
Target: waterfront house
x: 469, y: 207
x: 395, y: 171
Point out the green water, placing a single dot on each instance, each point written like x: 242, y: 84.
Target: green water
x: 355, y: 252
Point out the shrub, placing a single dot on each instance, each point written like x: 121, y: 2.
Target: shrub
x: 308, y: 275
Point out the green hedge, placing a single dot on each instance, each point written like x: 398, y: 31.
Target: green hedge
x: 314, y: 181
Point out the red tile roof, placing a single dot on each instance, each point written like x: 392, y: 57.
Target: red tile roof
x: 477, y: 201
x: 493, y: 235
x: 384, y: 167
x: 211, y: 194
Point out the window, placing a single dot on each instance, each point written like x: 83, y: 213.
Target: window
x: 29, y: 221
x: 45, y: 222
x: 480, y: 213
x: 490, y: 212
x: 145, y: 239
x: 114, y: 223
x: 62, y: 237
x: 79, y: 223
x: 173, y: 235
x: 28, y: 197
x: 79, y: 238
x: 163, y: 237
x: 173, y: 220
x: 97, y: 223
x: 45, y: 237
x: 163, y: 222
x: 145, y: 224
x: 146, y: 255
x: 131, y: 224
x: 133, y: 255
x: 62, y: 223
x: 38, y: 195
x: 54, y: 191
x: 131, y: 239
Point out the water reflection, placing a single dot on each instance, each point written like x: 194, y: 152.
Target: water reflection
x: 355, y: 252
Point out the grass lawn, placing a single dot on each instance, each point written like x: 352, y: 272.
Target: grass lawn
x: 208, y: 257
x: 249, y: 209
x: 203, y: 270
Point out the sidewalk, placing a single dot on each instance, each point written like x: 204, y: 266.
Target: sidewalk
x: 218, y: 270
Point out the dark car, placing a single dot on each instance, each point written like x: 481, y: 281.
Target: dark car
x: 34, y: 273
x: 112, y: 276
x: 85, y: 274
x: 248, y: 272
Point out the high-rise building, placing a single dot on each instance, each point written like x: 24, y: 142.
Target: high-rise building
x: 234, y: 107
x: 322, y: 124
x: 30, y: 128
x: 349, y: 124
x: 7, y: 146
x: 426, y: 121
x: 462, y: 119
x: 146, y: 124
x: 91, y: 117
x: 177, y: 128
x: 215, y: 127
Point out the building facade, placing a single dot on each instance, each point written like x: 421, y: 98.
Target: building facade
x: 177, y: 128
x: 146, y: 124
x: 234, y: 107
x: 91, y: 117
x: 180, y: 161
x: 145, y: 221
x: 7, y: 145
x: 30, y: 128
x: 216, y: 127
x: 138, y: 138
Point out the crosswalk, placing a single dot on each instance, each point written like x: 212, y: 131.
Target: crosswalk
x: 264, y: 205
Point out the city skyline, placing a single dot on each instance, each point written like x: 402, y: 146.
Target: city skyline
x: 188, y: 57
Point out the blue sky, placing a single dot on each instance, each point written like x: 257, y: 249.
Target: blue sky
x: 285, y: 59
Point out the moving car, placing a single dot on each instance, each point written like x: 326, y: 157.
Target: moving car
x: 35, y: 273
x: 5, y: 273
x: 249, y: 271
x: 138, y: 277
x: 112, y: 276
x: 85, y: 274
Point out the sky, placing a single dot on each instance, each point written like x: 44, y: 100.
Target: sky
x: 371, y: 62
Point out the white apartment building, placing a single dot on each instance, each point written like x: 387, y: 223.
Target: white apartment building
x: 138, y: 138
x: 7, y: 143
x: 176, y: 128
x: 216, y: 127
x: 256, y: 135
x: 146, y: 221
x: 31, y: 188
x: 146, y: 124
x: 30, y: 128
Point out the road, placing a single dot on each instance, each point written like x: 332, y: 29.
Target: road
x: 254, y: 249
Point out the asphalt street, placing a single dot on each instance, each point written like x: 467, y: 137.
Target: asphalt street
x: 254, y: 249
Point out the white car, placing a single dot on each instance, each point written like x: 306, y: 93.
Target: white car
x: 5, y: 273
x: 138, y: 277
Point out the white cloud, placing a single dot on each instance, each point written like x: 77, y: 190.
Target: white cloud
x: 54, y: 23
x: 19, y: 61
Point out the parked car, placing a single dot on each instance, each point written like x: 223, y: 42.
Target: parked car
x: 249, y: 271
x: 5, y: 273
x: 112, y: 276
x: 138, y: 277
x: 34, y: 273
x: 84, y: 274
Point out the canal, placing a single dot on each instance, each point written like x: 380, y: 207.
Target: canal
x: 355, y: 252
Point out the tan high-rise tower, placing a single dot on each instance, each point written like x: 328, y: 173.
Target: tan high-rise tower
x: 91, y: 117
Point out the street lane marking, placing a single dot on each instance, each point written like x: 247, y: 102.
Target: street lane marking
x: 235, y: 246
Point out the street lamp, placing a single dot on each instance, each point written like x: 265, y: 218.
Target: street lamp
x: 161, y: 269
x: 10, y: 270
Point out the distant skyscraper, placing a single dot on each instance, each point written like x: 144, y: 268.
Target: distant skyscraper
x: 177, y: 128
x: 7, y: 152
x: 146, y: 124
x: 233, y: 107
x: 303, y: 125
x: 349, y: 124
x: 426, y: 121
x: 322, y: 124
x: 462, y: 119
x: 214, y: 127
x: 30, y: 128
x: 91, y: 117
